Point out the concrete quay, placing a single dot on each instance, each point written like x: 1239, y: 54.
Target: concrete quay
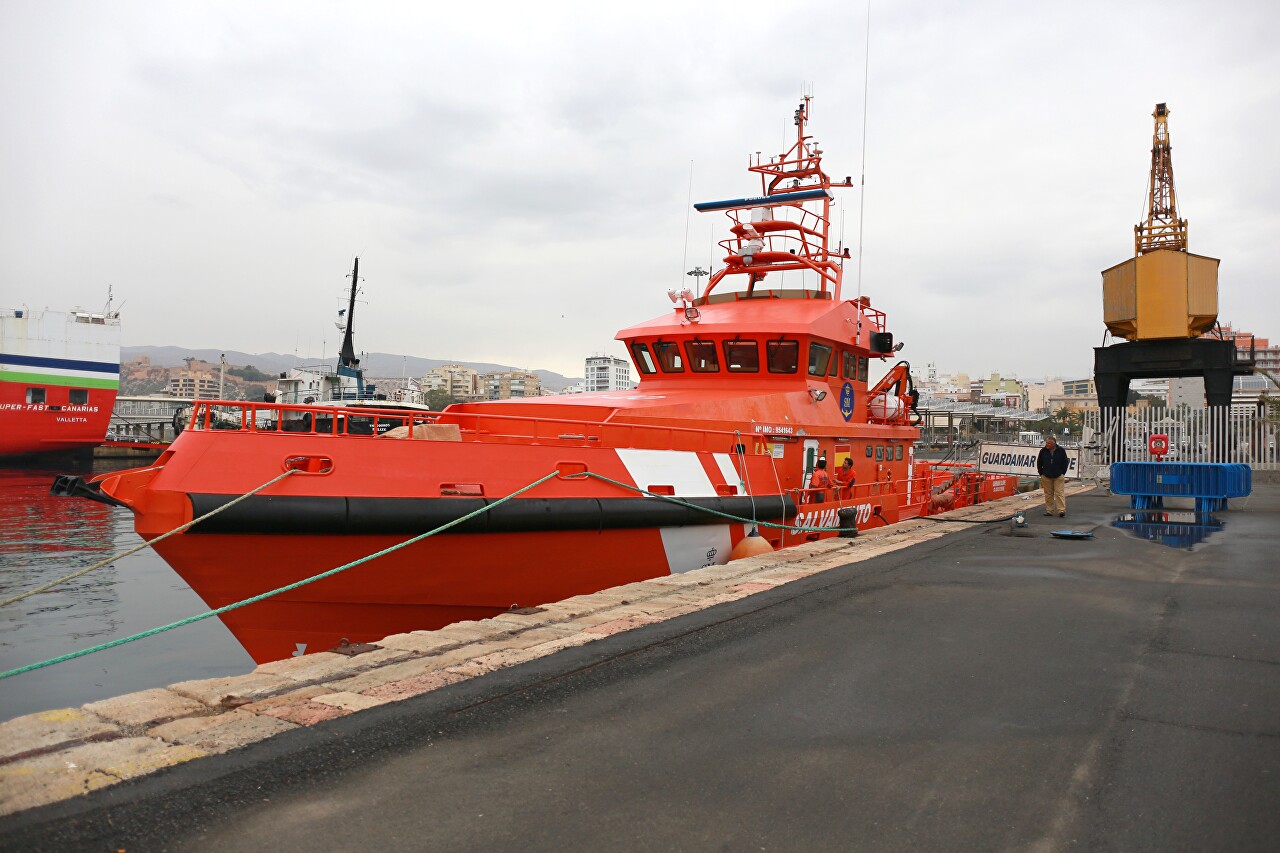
x: 935, y: 685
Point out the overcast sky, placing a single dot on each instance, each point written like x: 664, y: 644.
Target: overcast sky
x: 515, y: 176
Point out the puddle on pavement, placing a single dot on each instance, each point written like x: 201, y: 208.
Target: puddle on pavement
x: 1174, y: 529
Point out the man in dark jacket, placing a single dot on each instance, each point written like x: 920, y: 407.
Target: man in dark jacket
x: 1052, y: 463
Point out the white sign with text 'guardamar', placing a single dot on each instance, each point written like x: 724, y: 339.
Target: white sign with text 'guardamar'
x: 1019, y: 459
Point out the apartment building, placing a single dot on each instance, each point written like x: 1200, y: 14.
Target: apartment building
x: 608, y: 373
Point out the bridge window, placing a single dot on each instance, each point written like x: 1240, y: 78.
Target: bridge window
x: 742, y: 356
x: 78, y: 397
x: 702, y: 356
x: 819, y: 358
x: 668, y: 353
x: 849, y: 365
x: 35, y: 395
x: 644, y: 361
x: 862, y: 368
x: 783, y: 356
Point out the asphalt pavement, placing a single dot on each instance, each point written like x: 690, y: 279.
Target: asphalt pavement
x: 977, y: 692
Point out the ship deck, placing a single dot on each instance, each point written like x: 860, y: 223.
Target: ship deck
x: 971, y: 691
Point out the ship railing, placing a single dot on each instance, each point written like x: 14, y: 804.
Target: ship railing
x: 364, y: 421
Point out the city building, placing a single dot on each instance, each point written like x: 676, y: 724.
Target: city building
x: 196, y: 386
x: 997, y: 390
x: 608, y: 373
x: 508, y: 384
x: 1039, y: 394
x: 461, y: 383
x: 1264, y: 353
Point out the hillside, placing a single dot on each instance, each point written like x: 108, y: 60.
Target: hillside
x: 376, y: 364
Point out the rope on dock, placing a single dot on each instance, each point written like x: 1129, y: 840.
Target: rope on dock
x: 305, y: 581
x: 24, y: 595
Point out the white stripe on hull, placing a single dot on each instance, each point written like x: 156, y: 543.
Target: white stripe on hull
x: 729, y: 472
x: 679, y: 469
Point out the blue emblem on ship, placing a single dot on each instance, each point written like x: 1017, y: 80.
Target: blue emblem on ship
x: 846, y: 401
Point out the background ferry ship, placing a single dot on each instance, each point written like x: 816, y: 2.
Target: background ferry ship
x: 59, y: 375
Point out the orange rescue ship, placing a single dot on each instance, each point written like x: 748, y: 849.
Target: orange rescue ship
x: 746, y: 390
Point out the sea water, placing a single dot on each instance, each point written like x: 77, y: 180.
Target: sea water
x: 43, y: 538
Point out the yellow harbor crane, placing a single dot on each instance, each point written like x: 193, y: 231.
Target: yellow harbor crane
x: 1163, y: 291
x: 1162, y: 300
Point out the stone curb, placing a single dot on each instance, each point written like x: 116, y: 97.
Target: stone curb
x: 56, y: 755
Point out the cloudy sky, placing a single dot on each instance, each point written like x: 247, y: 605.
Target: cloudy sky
x: 515, y: 176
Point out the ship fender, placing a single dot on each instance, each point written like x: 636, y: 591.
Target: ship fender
x: 312, y: 515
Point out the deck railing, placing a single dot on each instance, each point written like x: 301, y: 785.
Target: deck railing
x: 365, y: 421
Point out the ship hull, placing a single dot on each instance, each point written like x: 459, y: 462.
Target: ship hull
x: 424, y: 586
x: 355, y: 496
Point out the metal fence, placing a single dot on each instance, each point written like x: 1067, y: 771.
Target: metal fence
x: 1217, y: 434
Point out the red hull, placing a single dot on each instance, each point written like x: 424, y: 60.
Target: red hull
x: 436, y: 582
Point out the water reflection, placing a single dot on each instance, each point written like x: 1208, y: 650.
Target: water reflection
x: 1175, y: 529
x: 43, y: 538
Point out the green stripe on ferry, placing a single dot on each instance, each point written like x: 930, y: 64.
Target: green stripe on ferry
x: 49, y: 379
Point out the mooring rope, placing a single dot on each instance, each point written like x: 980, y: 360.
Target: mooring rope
x: 24, y: 595
x: 331, y: 572
x: 305, y: 581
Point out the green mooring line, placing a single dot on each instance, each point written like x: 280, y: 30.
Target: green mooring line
x: 226, y: 608
x: 304, y: 582
x: 147, y: 544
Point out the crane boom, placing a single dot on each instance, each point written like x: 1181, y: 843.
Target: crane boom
x: 1163, y: 229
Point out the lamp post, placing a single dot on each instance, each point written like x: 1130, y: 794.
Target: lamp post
x: 698, y: 272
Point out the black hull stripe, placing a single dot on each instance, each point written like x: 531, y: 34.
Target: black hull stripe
x: 412, y: 516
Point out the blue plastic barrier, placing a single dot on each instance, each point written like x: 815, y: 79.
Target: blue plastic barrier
x: 1209, y: 483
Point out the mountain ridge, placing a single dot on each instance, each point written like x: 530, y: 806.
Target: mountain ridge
x: 376, y: 364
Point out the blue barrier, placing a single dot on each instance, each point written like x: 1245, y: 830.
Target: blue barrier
x: 1210, y: 484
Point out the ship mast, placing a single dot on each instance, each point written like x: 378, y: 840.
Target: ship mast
x: 347, y: 355
x: 765, y: 239
x: 348, y: 364
x: 1163, y: 229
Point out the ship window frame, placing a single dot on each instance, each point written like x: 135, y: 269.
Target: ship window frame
x: 848, y: 364
x: 879, y: 452
x: 863, y: 368
x: 753, y: 345
x: 78, y: 397
x: 665, y: 364
x: 784, y: 346
x: 37, y: 396
x: 713, y: 366
x: 815, y: 351
x: 643, y: 358
x: 897, y: 453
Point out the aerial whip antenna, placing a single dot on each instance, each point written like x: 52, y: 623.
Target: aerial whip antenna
x: 688, y: 212
x: 862, y: 193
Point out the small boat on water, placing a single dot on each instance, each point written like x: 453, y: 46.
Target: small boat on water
x: 752, y: 396
x: 59, y: 375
